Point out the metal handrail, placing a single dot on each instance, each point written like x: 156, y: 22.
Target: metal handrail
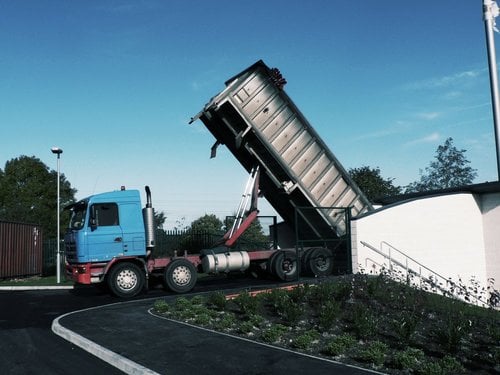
x: 410, y: 270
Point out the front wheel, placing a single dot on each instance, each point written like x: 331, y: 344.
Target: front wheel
x: 180, y: 276
x: 126, y: 280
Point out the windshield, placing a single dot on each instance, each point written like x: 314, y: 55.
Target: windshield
x: 79, y: 211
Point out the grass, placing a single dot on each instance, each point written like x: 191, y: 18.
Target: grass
x: 373, y: 322
x: 35, y: 281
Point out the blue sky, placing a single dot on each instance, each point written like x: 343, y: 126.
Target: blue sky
x: 114, y: 84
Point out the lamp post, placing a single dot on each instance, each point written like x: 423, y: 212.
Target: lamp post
x: 58, y: 151
x: 491, y: 11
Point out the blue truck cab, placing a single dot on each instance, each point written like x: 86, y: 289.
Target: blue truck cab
x: 106, y: 226
x: 109, y: 239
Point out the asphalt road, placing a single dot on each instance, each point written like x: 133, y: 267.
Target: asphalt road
x: 27, y: 343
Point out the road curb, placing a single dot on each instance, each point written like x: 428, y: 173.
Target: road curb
x: 116, y: 360
x: 48, y: 287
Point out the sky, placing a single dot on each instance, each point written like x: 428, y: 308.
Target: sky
x: 115, y: 83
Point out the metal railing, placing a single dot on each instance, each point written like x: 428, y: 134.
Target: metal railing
x: 433, y: 279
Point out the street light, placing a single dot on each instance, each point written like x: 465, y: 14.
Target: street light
x: 491, y: 11
x: 58, y: 151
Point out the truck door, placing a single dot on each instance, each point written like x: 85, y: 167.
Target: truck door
x: 105, y: 240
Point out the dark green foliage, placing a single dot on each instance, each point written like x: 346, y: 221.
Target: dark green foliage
x: 449, y: 169
x: 363, y: 321
x: 329, y: 314
x: 375, y: 352
x: 217, y: 300
x: 372, y: 184
x: 273, y: 333
x: 28, y: 194
x: 247, y: 304
x: 339, y: 345
x: 305, y: 340
x: 409, y: 359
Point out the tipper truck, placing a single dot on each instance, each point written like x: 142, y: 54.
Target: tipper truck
x: 110, y: 239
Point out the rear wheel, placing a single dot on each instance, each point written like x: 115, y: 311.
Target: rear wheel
x: 126, y: 280
x: 180, y: 276
x: 284, y: 265
x: 319, y: 261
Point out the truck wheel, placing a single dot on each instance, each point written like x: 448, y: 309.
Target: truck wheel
x: 284, y: 265
x: 180, y: 276
x: 126, y: 280
x: 319, y: 261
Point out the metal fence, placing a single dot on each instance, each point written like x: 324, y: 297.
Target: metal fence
x: 167, y: 244
x: 20, y: 249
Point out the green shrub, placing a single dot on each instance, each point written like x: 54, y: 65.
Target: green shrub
x: 278, y: 299
x: 217, y: 300
x: 273, y: 333
x: 409, y: 359
x: 256, y: 320
x: 364, y: 322
x: 374, y: 353
x: 202, y: 319
x: 299, y: 294
x: 339, y: 345
x: 328, y: 314
x: 292, y: 314
x: 305, y: 340
x: 225, y: 321
x: 450, y: 365
x: 182, y: 303
x: 247, y: 303
x: 405, y: 325
x: 452, y: 331
x: 246, y: 327
x: 198, y: 300
x: 161, y: 306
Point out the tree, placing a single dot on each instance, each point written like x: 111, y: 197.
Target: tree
x: 28, y: 194
x: 207, y: 223
x: 253, y: 238
x: 159, y: 218
x: 450, y: 169
x: 372, y: 184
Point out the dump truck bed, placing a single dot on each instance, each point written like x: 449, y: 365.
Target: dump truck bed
x: 260, y: 125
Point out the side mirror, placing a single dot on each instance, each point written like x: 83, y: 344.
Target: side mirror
x: 93, y: 221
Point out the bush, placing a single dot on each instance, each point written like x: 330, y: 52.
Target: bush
x: 273, y: 333
x: 247, y: 304
x: 305, y: 340
x: 329, y: 314
x: 217, y: 300
x: 339, y: 345
x: 225, y: 321
x: 409, y: 359
x: 364, y: 322
x: 374, y: 353
x: 161, y: 306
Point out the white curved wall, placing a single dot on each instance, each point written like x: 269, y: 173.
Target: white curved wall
x: 445, y: 233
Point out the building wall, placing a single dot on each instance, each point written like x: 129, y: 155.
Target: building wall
x: 490, y: 207
x: 444, y: 233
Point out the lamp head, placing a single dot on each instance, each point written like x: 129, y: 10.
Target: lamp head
x: 56, y: 150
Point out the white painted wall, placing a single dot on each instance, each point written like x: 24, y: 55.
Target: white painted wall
x: 490, y: 207
x: 444, y: 233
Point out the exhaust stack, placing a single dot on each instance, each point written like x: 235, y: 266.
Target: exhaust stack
x: 149, y: 222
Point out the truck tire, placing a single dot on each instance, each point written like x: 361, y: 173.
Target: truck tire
x: 180, y: 276
x: 319, y: 262
x: 284, y: 265
x: 126, y: 280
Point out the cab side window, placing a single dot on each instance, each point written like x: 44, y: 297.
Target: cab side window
x: 105, y: 214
